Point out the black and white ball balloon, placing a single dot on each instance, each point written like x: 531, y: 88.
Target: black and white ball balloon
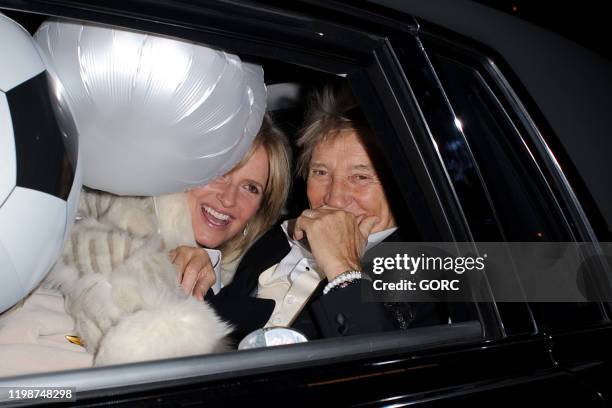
x: 39, y: 172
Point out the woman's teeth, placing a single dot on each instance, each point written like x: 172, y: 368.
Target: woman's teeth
x: 217, y: 215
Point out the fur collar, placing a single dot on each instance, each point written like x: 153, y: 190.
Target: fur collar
x: 174, y: 220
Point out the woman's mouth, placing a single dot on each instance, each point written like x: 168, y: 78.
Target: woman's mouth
x: 214, y: 217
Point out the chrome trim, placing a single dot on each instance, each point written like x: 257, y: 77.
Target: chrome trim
x: 526, y: 118
x: 435, y: 145
x: 138, y: 377
x: 450, y: 182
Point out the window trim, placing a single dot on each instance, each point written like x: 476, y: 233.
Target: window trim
x: 155, y: 375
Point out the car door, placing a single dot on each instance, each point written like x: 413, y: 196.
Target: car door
x: 496, y: 354
x: 513, y: 181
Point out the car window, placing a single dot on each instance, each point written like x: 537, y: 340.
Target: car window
x: 522, y: 209
x: 463, y: 177
x: 520, y: 199
x: 409, y: 191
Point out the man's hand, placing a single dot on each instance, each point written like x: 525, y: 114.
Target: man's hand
x: 196, y: 273
x: 337, y: 238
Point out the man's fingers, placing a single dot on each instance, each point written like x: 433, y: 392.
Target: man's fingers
x: 302, y: 224
x: 298, y: 234
x: 367, y: 224
x: 298, y: 230
x: 308, y: 213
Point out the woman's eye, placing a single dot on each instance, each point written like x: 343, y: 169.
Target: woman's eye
x: 252, y: 188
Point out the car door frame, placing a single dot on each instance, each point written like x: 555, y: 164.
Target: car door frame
x: 487, y: 363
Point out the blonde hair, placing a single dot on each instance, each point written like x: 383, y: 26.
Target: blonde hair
x: 331, y: 110
x: 275, y: 193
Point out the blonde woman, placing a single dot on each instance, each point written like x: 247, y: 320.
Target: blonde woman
x: 120, y: 284
x: 231, y: 212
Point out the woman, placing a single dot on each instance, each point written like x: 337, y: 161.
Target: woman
x: 231, y: 212
x: 116, y: 275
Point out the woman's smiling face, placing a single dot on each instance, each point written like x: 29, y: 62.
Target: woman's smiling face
x: 222, y: 209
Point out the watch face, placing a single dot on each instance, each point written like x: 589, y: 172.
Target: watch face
x: 271, y: 336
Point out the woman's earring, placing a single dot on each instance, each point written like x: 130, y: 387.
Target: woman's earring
x: 245, y: 231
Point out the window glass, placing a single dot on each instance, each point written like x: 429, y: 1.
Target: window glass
x: 523, y: 207
x: 512, y: 179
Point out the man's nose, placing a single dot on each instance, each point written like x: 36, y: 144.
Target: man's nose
x: 338, y: 193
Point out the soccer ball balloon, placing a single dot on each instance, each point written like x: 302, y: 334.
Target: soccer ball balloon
x: 39, y: 177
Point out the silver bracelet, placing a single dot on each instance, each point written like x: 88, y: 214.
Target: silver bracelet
x: 348, y: 276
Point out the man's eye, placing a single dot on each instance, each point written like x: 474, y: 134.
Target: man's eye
x: 361, y: 177
x: 318, y: 172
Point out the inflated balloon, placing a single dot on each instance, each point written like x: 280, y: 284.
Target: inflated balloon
x: 155, y: 115
x: 40, y: 167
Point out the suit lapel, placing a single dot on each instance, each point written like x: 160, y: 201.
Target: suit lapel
x: 269, y: 250
x: 396, y: 236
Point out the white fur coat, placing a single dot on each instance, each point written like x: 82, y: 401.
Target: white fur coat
x: 122, y: 289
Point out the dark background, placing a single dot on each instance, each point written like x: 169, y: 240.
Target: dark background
x: 586, y: 22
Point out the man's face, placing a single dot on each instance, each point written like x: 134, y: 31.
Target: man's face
x: 341, y: 176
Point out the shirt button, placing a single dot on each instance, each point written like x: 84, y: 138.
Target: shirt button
x: 290, y: 299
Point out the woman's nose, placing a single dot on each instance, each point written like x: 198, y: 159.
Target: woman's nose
x: 227, y: 195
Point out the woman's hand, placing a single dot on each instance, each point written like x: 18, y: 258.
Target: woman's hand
x: 336, y: 237
x: 196, y: 273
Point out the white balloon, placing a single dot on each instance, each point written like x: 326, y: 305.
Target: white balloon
x: 155, y: 115
x: 40, y: 168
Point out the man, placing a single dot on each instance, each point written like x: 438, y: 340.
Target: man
x: 306, y: 273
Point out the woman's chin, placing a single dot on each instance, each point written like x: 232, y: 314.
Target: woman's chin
x: 209, y: 241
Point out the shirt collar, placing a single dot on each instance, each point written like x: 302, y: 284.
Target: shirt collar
x: 303, y: 246
x: 378, y: 237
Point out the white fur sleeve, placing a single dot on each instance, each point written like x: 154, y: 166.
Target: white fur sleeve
x: 122, y: 289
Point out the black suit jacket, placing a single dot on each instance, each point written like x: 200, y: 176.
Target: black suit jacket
x: 338, y: 313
